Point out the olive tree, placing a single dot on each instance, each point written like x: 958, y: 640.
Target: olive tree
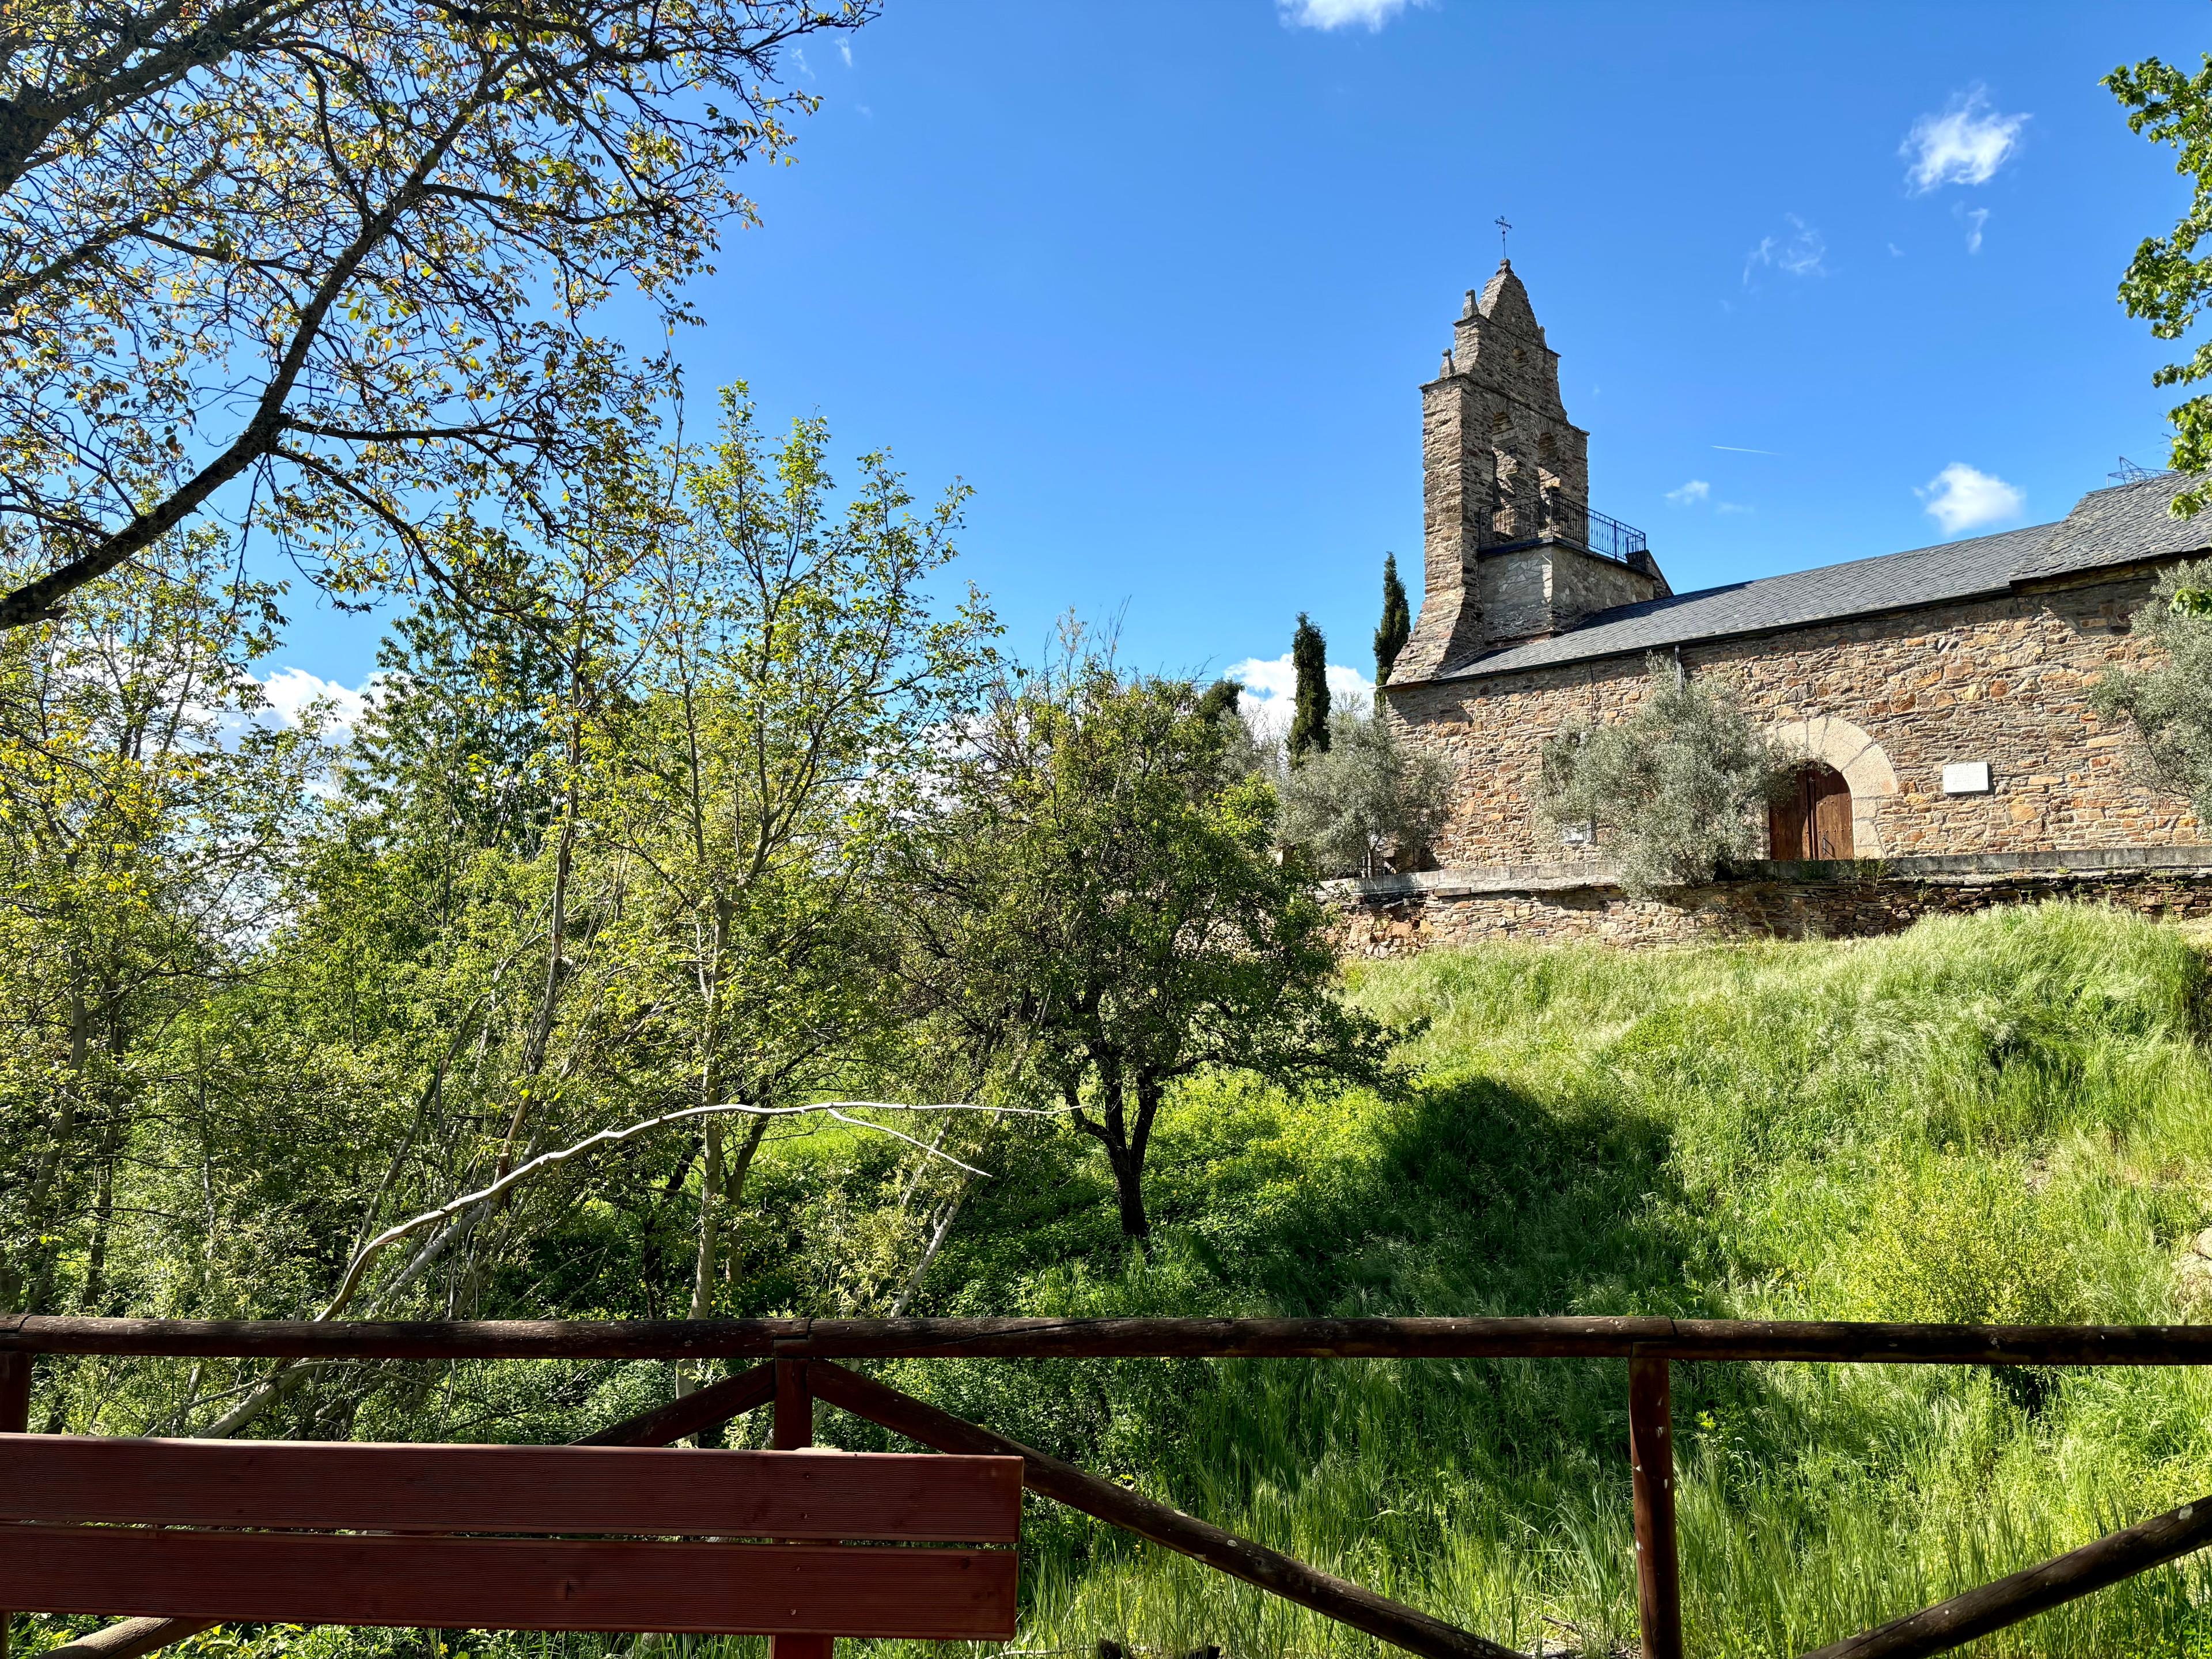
x: 2169, y: 704
x: 1365, y: 802
x: 1673, y: 791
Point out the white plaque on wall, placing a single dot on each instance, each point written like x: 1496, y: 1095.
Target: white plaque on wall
x: 1966, y: 778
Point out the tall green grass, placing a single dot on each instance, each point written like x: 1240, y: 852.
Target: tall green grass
x: 2007, y: 1116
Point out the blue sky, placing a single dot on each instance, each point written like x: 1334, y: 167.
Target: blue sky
x: 1161, y: 280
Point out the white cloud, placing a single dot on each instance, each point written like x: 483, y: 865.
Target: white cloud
x: 1799, y: 253
x: 1271, y: 689
x: 1895, y: 251
x: 1734, y: 506
x: 799, y: 57
x: 844, y: 52
x: 1974, y: 219
x: 1964, y: 145
x: 1694, y: 491
x: 1338, y: 14
x: 293, y: 691
x: 1959, y: 497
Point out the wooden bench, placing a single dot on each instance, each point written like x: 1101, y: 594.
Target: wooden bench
x: 358, y: 1534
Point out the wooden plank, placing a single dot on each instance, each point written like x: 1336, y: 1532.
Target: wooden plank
x: 1651, y: 1478
x: 498, y: 1583
x: 654, y: 1491
x: 1218, y: 1338
x: 132, y: 1638
x: 14, y: 1419
x: 2035, y: 1589
x: 794, y: 1408
x: 1255, y: 1564
x: 716, y: 1403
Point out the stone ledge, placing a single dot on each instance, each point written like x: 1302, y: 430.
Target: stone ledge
x: 1939, y: 867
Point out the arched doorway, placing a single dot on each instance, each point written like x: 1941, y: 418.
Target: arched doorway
x: 1814, y: 819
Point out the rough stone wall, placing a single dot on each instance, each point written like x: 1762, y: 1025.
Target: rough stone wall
x: 1456, y: 476
x: 1843, y: 907
x: 1515, y: 593
x: 1582, y: 583
x: 1494, y: 436
x: 2004, y: 680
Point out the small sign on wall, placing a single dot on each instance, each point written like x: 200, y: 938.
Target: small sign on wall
x: 1966, y: 778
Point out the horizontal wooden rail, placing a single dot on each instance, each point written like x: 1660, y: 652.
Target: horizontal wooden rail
x: 1037, y: 1339
x: 512, y: 1583
x: 355, y: 1485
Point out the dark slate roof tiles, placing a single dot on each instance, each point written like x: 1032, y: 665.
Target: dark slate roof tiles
x: 2120, y: 525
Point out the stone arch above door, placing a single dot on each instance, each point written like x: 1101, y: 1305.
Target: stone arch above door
x: 1834, y: 741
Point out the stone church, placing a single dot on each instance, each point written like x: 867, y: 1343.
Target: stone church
x: 1938, y: 698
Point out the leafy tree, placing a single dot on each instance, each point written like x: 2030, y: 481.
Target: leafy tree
x: 1397, y: 624
x: 1101, y: 908
x: 342, y: 252
x: 2169, y: 704
x: 1309, y: 721
x: 2167, y: 281
x: 149, y: 805
x: 793, y: 686
x: 1672, y: 789
x: 1365, y: 800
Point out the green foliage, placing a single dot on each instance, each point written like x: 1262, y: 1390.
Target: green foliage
x: 364, y: 282
x: 1397, y: 624
x: 1101, y: 906
x: 2169, y: 704
x: 1726, y: 1131
x: 2167, y: 283
x: 1672, y: 789
x: 1364, y: 802
x: 1309, y: 719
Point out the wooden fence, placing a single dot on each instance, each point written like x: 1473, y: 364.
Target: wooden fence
x: 801, y: 1366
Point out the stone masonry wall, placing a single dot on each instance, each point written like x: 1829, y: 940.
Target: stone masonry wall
x: 2004, y: 680
x: 1810, y: 902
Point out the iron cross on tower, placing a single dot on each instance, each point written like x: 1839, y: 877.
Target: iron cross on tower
x: 1503, y: 227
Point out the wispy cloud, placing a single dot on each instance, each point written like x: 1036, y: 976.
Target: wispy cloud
x: 1961, y: 497
x: 1734, y: 506
x: 1338, y: 13
x: 1738, y: 449
x: 1695, y: 490
x: 1271, y: 692
x: 1799, y: 252
x: 1974, y: 219
x: 1964, y: 145
x: 844, y: 52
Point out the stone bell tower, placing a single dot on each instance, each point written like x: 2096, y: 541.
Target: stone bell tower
x: 1512, y: 549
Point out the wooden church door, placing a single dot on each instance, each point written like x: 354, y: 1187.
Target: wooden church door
x: 1814, y: 819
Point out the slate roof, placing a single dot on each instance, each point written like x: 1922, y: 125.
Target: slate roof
x: 2126, y: 524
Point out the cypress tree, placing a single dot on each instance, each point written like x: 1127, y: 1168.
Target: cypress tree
x: 1397, y: 624
x: 1219, y: 700
x: 1309, y: 657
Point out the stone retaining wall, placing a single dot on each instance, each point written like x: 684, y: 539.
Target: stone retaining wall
x: 1401, y: 915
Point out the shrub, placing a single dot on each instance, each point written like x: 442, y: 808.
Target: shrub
x: 2170, y: 706
x: 1365, y: 800
x: 1671, y: 790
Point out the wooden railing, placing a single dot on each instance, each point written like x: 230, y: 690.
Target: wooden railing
x: 802, y: 1367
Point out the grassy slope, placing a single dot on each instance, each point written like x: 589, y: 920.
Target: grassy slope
x: 2007, y: 1116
